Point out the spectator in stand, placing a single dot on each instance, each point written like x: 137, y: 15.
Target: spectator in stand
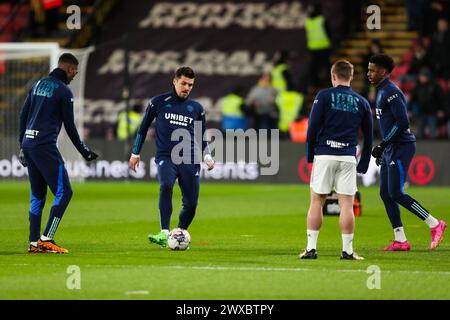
x: 352, y: 16
x: 415, y: 14
x: 433, y: 11
x: 51, y: 8
x: 439, y: 50
x: 447, y: 112
x: 420, y: 60
x: 234, y: 110
x: 374, y: 48
x: 427, y: 103
x: 128, y: 123
x: 261, y: 100
x: 44, y: 17
x: 281, y: 74
x: 319, y: 45
x: 408, y: 70
x: 37, y: 19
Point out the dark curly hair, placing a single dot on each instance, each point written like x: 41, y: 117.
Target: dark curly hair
x: 384, y: 61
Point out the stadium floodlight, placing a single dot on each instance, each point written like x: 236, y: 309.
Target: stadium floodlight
x: 22, y: 64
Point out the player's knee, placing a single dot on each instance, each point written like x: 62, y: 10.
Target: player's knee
x: 190, y: 206
x: 396, y: 195
x: 37, y: 205
x: 68, y: 194
x: 165, y: 187
x: 384, y: 194
x: 65, y: 197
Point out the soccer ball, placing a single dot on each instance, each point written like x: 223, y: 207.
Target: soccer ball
x: 179, y: 239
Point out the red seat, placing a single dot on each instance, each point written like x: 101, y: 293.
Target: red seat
x: 443, y: 84
x: 408, y: 86
x: 5, y: 37
x: 5, y: 9
x: 20, y: 23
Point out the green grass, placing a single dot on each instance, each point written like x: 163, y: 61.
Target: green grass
x: 245, y: 245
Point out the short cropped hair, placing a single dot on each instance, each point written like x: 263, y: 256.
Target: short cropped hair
x: 68, y: 58
x: 383, y: 61
x: 185, y: 71
x: 343, y: 69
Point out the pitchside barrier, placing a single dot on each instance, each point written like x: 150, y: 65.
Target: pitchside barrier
x: 430, y: 166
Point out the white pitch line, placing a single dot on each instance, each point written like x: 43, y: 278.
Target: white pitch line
x: 219, y: 268
x: 138, y: 292
x: 223, y: 268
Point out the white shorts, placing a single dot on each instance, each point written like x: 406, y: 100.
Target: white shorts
x: 328, y: 175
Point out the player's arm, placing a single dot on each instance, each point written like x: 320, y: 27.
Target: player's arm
x: 205, y: 147
x: 398, y: 108
x: 314, y: 125
x: 24, y: 117
x: 367, y: 129
x: 23, y: 126
x: 71, y: 129
x: 150, y: 114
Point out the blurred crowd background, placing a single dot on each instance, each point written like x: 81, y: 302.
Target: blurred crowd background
x: 415, y: 33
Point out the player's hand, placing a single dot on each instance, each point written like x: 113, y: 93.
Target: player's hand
x: 209, y: 162
x: 22, y: 159
x: 362, y: 169
x: 377, y: 152
x: 133, y: 163
x: 91, y: 155
x: 379, y: 161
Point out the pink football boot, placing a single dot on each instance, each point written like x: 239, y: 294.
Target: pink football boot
x: 437, y: 233
x: 398, y: 246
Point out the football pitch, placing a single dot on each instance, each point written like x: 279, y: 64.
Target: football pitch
x: 245, y: 245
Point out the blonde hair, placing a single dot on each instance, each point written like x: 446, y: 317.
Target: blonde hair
x: 343, y: 69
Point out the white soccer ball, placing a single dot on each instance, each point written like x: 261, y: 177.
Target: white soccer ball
x: 179, y: 239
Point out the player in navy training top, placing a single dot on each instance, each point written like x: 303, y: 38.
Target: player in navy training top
x: 49, y: 105
x: 175, y: 113
x: 336, y: 117
x: 395, y: 153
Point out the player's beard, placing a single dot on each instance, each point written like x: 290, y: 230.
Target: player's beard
x: 178, y: 95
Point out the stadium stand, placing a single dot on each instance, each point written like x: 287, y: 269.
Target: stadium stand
x: 14, y: 19
x: 403, y: 30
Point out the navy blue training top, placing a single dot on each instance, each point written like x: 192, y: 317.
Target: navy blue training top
x: 48, y: 105
x: 392, y: 113
x: 334, y: 122
x: 171, y: 113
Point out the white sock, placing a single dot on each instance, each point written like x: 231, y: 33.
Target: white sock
x: 166, y: 231
x: 399, y: 234
x: 312, y: 239
x: 44, y: 238
x: 33, y: 243
x: 347, y: 243
x: 431, y: 221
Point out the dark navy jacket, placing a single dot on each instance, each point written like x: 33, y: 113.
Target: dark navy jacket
x: 392, y: 114
x: 171, y: 113
x: 334, y: 122
x: 48, y: 105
